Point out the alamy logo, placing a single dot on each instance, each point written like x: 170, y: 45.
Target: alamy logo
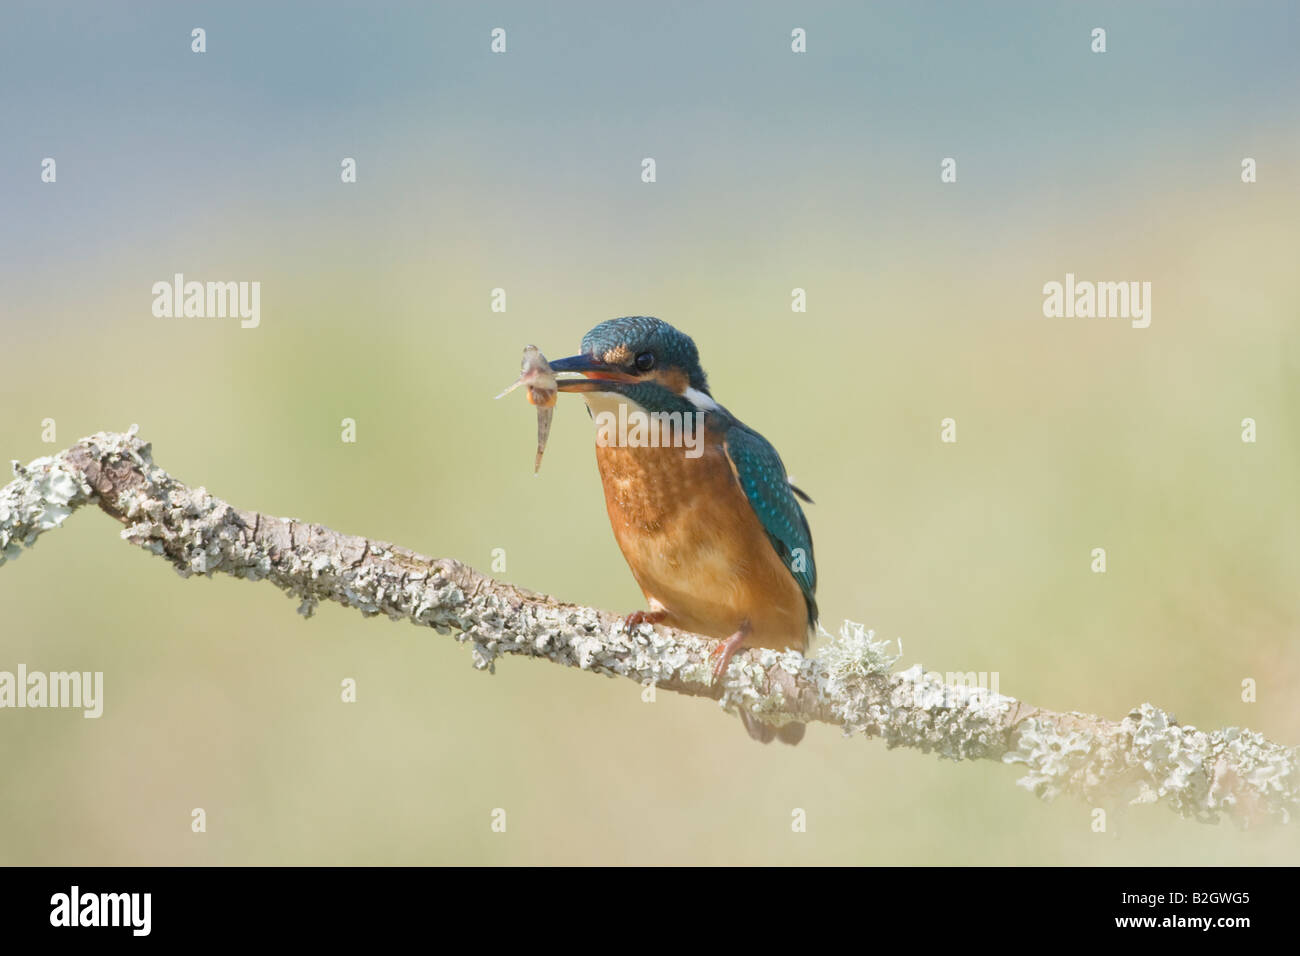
x: 1086, y: 300
x: 84, y: 689
x: 637, y: 428
x: 102, y: 909
x: 953, y: 689
x: 208, y: 300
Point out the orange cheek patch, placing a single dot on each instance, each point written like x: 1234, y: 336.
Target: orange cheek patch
x: 674, y: 379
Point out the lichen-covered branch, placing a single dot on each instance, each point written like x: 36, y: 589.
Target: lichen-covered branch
x: 1144, y: 758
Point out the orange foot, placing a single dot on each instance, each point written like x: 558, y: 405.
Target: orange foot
x: 643, y: 617
x: 721, y: 655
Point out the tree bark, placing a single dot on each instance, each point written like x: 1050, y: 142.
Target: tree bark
x: 1146, y: 757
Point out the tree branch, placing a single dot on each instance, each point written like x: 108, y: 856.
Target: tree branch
x: 1145, y: 758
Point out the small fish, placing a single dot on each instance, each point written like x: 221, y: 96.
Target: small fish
x: 537, y: 375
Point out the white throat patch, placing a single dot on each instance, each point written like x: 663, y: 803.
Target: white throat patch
x: 700, y: 400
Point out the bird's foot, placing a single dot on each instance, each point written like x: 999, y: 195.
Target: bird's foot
x: 637, y: 618
x: 722, y: 654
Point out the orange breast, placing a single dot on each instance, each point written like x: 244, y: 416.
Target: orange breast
x: 696, y: 547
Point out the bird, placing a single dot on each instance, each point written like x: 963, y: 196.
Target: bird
x: 711, y: 529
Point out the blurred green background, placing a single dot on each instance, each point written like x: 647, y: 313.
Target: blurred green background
x: 522, y: 171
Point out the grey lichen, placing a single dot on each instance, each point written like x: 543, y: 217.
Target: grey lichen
x: 1055, y: 760
x: 1145, y: 758
x: 1149, y: 758
x: 41, y: 496
x: 855, y: 656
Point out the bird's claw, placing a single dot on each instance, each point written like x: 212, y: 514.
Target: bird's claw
x: 637, y: 618
x: 721, y: 654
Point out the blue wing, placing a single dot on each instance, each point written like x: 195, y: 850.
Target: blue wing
x: 762, y: 477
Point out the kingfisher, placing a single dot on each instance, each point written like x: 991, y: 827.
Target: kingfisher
x: 709, y: 523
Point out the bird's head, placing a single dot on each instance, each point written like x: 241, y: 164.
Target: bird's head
x: 641, y: 358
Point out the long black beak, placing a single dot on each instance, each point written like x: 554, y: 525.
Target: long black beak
x: 597, y: 376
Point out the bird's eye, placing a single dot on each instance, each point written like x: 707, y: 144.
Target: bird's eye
x: 645, y: 361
